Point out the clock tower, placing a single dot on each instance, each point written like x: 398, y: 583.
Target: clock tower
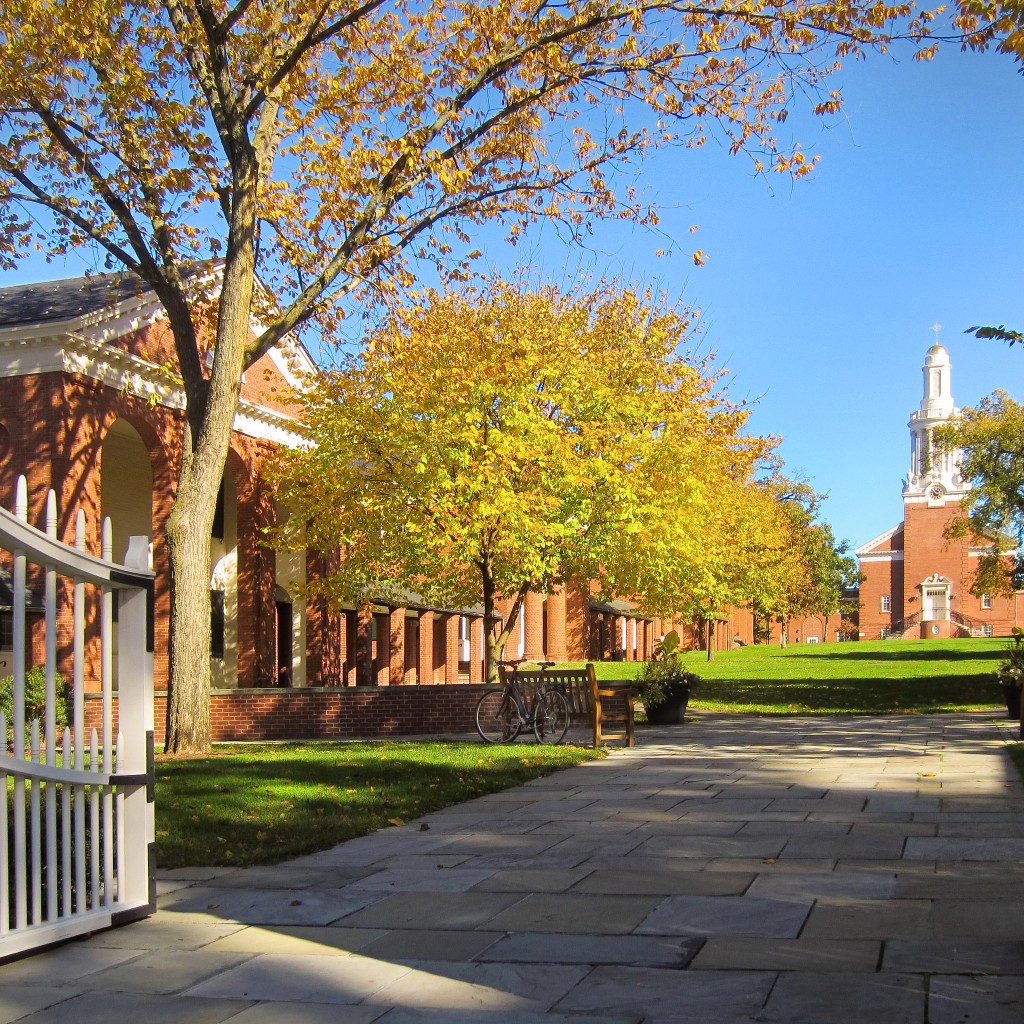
x: 934, y: 477
x: 916, y: 581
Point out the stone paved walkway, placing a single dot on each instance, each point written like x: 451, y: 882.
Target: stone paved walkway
x: 728, y: 871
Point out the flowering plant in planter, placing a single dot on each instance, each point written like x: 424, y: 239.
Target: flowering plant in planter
x: 1011, y: 672
x: 664, y: 679
x: 1011, y: 675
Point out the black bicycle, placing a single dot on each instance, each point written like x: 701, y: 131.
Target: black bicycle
x: 501, y: 715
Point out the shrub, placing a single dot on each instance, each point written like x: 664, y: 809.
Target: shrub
x: 35, y: 696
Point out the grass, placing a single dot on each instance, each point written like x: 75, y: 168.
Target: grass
x: 261, y: 804
x: 863, y: 678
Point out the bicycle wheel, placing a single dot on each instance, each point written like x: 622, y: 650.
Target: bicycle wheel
x: 551, y: 717
x: 497, y: 718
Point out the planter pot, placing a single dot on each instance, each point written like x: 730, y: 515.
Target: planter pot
x: 671, y: 712
x: 1012, y: 695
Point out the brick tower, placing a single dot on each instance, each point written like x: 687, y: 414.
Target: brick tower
x: 917, y: 583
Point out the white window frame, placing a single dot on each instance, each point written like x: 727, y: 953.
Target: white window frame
x: 986, y: 602
x: 886, y: 603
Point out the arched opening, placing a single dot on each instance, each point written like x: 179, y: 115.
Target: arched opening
x: 224, y: 584
x: 285, y: 636
x: 290, y: 576
x: 126, y: 496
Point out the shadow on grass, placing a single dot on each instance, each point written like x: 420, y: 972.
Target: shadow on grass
x: 259, y: 805
x: 860, y: 696
x: 901, y: 653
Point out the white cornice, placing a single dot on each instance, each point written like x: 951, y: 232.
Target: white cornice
x: 882, y: 556
x: 91, y: 357
x: 866, y: 548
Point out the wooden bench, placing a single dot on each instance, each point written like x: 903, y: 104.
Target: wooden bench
x: 605, y: 709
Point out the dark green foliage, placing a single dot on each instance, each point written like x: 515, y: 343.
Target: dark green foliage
x: 35, y: 697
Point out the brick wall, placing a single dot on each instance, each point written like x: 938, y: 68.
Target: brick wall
x: 331, y: 713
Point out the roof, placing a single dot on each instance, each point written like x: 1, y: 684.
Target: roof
x: 67, y: 299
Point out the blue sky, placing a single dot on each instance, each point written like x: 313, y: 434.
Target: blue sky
x: 819, y: 296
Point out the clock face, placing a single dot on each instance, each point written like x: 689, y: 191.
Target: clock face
x: 935, y: 493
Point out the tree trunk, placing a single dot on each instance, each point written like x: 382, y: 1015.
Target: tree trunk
x: 210, y: 414
x: 710, y: 629
x: 496, y: 640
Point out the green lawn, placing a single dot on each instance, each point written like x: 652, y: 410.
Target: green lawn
x: 876, y: 677
x: 259, y: 804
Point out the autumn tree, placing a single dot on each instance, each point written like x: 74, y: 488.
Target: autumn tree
x: 803, y: 570
x: 499, y: 440
x: 710, y: 554
x: 321, y: 144
x: 990, y: 439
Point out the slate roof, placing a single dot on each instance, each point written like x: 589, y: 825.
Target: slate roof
x: 65, y: 300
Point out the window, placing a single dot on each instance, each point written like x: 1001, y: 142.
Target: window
x: 217, y: 623
x: 986, y: 601
x: 886, y: 603
x: 986, y: 630
x: 886, y: 632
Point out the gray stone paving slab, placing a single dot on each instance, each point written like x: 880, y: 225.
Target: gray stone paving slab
x: 283, y: 876
x: 404, y: 1015
x: 994, y: 919
x: 845, y: 998
x: 165, y: 932
x: 307, y: 940
x: 845, y: 846
x: 69, y: 963
x: 17, y: 1001
x: 594, y: 913
x: 163, y: 971
x: 532, y: 879
x: 725, y: 915
x: 823, y: 886
x: 308, y: 1013
x: 459, y: 910
x: 667, y: 997
x: 110, y: 1007
x: 479, y: 986
x: 712, y: 846
x: 869, y: 919
x: 293, y: 978
x: 424, y: 879
x: 969, y: 1000
x: 632, y: 950
x: 665, y: 882
x: 424, y: 944
x: 739, y: 952
x: 954, y: 956
x: 271, y: 906
x: 965, y: 849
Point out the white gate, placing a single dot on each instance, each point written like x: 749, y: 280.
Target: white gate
x: 76, y: 812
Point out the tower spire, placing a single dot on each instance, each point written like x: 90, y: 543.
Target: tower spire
x: 933, y: 474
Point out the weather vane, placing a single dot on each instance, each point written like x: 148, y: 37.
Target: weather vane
x: 937, y: 328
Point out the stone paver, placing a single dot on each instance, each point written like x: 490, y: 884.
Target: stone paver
x: 728, y: 871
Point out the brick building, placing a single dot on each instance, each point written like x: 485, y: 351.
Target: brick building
x: 90, y: 406
x: 917, y: 583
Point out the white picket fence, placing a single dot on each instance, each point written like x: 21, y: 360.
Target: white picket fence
x: 76, y: 812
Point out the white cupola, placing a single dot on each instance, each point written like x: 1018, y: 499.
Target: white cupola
x: 934, y: 475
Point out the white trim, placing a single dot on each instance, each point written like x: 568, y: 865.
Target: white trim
x: 883, y: 556
x: 123, y: 371
x: 866, y: 548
